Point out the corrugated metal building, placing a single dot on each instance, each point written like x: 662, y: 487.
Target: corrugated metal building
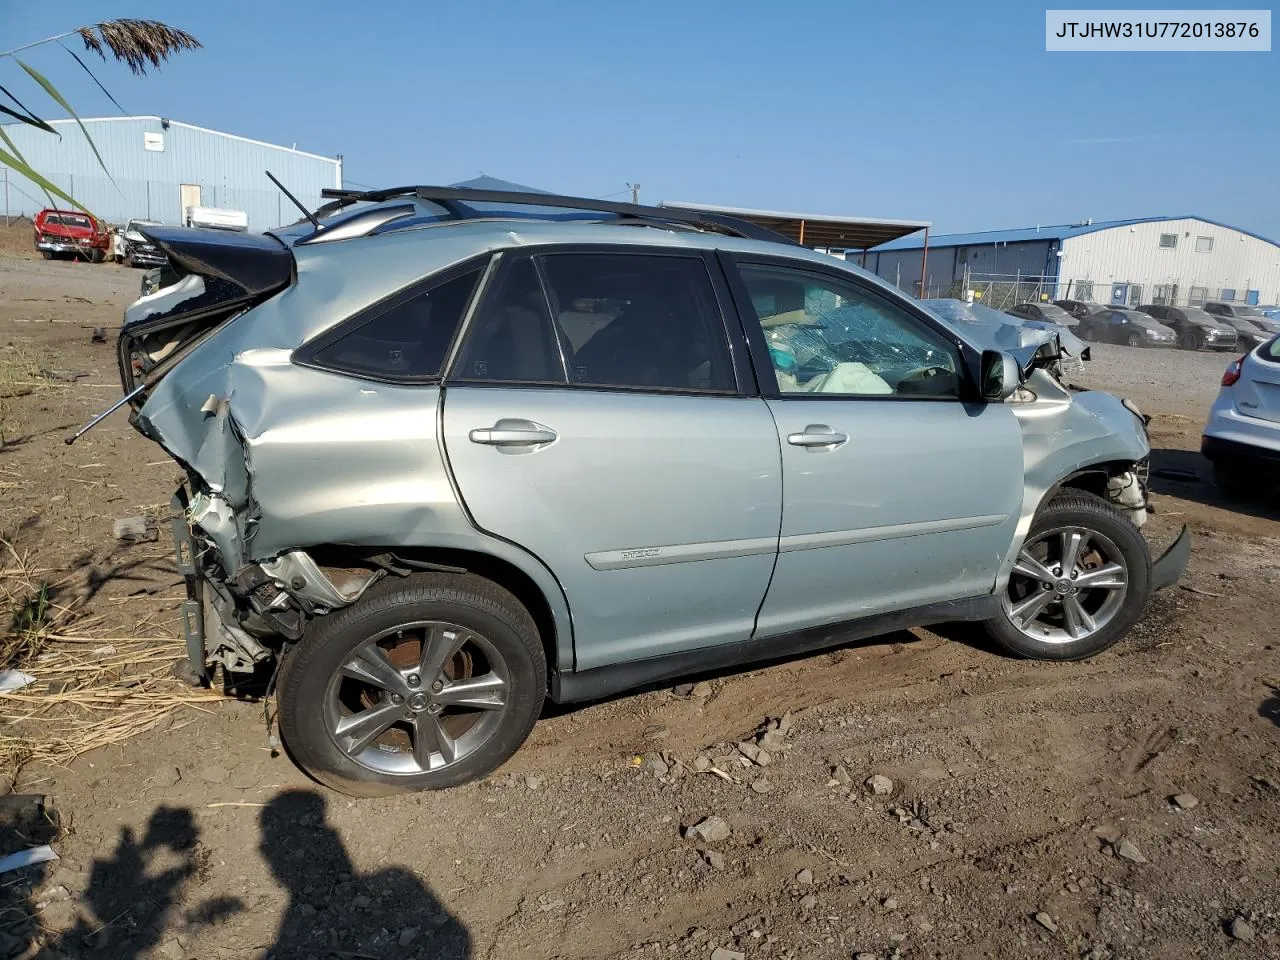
x: 1149, y: 260
x: 161, y: 166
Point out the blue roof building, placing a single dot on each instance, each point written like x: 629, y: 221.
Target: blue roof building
x: 1178, y: 259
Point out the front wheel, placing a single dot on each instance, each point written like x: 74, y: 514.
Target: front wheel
x: 426, y: 682
x: 1135, y: 340
x: 1079, y: 584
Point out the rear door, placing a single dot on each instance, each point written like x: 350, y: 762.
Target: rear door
x: 897, y: 492
x: 599, y: 415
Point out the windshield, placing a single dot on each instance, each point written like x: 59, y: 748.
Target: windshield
x: 68, y: 220
x: 1201, y: 316
x: 1248, y: 312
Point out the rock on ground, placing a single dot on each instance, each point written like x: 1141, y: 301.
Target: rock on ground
x: 880, y: 785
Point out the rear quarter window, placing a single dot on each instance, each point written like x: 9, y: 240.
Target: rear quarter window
x: 404, y: 338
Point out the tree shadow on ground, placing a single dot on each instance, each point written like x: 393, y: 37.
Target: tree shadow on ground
x: 145, y: 896
x: 1186, y: 474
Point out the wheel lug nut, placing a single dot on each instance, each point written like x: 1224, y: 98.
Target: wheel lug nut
x: 396, y: 698
x: 1047, y: 586
x: 413, y: 680
x: 437, y: 687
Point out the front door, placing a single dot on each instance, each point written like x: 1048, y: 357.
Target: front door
x: 593, y: 417
x: 897, y: 493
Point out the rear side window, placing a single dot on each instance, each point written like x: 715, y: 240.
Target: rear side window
x: 406, y: 337
x: 639, y: 321
x: 630, y: 321
x: 512, y: 338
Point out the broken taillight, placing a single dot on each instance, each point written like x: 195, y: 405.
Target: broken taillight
x: 1232, y: 373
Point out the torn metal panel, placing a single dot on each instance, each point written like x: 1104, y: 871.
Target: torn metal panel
x: 303, y: 577
x: 1063, y: 432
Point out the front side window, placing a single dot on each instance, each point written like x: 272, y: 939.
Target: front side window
x: 828, y: 336
x: 405, y: 337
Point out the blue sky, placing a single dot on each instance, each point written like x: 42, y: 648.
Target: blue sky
x: 939, y: 111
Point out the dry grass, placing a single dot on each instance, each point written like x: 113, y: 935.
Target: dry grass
x: 137, y: 42
x: 90, y: 691
x: 23, y: 371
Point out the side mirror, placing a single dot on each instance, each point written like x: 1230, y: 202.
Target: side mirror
x: 1000, y: 376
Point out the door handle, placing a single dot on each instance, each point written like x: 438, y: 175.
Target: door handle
x: 513, y: 433
x: 816, y: 435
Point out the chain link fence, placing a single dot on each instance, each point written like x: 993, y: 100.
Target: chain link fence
x: 1002, y: 291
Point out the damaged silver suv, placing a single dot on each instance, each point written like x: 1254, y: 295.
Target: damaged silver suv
x: 452, y: 452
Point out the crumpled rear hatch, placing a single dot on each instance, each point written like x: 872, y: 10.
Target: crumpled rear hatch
x: 212, y: 277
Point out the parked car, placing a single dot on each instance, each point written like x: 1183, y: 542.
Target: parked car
x: 1196, y: 329
x: 1128, y: 326
x: 61, y: 232
x: 1242, y: 311
x: 1242, y: 436
x: 1249, y: 335
x: 1080, y: 309
x: 135, y: 249
x: 1047, y: 312
x: 445, y: 462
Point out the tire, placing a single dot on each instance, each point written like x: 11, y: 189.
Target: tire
x: 1190, y: 340
x: 1134, y: 340
x: 318, y: 691
x: 97, y: 256
x: 47, y: 254
x: 1111, y: 538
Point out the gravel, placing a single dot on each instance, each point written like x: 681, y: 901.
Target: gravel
x: 1144, y: 374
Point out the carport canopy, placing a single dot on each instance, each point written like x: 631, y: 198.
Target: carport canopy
x: 817, y: 229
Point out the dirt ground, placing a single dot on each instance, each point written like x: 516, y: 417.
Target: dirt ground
x: 1029, y: 811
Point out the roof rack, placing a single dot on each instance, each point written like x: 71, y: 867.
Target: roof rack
x: 455, y: 199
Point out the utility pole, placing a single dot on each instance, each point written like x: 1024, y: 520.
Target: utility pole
x: 635, y: 192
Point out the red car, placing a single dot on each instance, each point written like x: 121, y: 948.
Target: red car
x: 73, y: 232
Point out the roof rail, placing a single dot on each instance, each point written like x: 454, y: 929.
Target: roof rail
x: 454, y: 200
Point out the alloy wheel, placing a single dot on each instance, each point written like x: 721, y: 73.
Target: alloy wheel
x: 1067, y: 584
x: 417, y: 698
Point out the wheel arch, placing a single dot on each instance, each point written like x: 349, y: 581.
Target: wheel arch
x: 529, y: 582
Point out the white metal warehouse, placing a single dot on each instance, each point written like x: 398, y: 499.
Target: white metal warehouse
x: 158, y: 167
x: 1174, y: 260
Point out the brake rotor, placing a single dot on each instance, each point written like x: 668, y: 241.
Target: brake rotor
x: 406, y: 652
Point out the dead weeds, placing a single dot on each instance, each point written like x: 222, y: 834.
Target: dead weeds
x: 88, y: 691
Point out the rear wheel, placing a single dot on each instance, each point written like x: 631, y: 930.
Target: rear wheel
x: 424, y: 683
x: 1079, y: 584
